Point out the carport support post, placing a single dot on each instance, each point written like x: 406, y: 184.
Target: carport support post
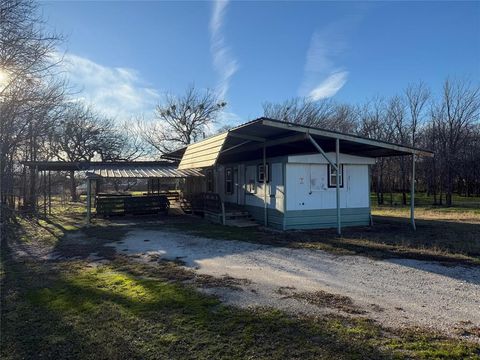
x: 44, y: 182
x: 337, y: 184
x: 412, y: 195
x: 265, y: 210
x: 49, y: 193
x: 89, y: 199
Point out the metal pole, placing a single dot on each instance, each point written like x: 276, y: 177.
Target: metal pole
x: 314, y: 143
x: 337, y: 183
x: 265, y: 210
x: 44, y: 182
x: 49, y: 193
x: 89, y: 200
x: 33, y: 188
x: 412, y: 195
x: 369, y: 193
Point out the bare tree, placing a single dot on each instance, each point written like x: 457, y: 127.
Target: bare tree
x: 181, y: 120
x: 344, y: 119
x: 373, y: 124
x: 323, y: 113
x: 133, y: 145
x: 417, y: 97
x: 82, y: 135
x: 455, y: 116
x: 29, y: 93
x: 402, y: 134
x: 300, y: 111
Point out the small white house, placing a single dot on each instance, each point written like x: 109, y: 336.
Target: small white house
x: 285, y: 174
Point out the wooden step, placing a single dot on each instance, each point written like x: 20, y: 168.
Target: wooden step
x: 237, y: 213
x: 241, y: 223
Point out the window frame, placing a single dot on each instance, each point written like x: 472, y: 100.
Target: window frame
x: 229, y: 180
x: 210, y: 181
x: 250, y: 181
x: 259, y: 180
x: 330, y: 173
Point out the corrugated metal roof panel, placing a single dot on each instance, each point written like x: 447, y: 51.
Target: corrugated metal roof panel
x: 125, y: 171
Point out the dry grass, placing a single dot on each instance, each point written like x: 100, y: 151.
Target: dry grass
x: 455, y: 214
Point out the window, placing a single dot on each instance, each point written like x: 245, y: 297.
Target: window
x: 261, y: 173
x: 250, y: 179
x: 229, y: 181
x: 332, y: 177
x: 209, y: 180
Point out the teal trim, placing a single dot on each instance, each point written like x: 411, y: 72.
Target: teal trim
x: 311, y: 219
x: 326, y: 218
x: 275, y: 217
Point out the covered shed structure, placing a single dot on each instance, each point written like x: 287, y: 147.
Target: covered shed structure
x: 152, y: 171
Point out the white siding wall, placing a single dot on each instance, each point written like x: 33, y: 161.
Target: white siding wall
x: 307, y: 187
x: 319, y: 159
x: 275, y: 188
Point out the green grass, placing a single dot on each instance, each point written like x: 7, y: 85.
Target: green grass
x: 127, y: 310
x: 423, y: 199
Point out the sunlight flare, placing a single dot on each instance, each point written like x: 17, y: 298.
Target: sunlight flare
x: 4, y: 79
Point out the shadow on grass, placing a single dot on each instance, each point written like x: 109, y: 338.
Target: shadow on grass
x: 448, y: 242
x: 105, y: 313
x: 32, y: 329
x: 70, y: 309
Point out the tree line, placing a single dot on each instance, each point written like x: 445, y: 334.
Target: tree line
x: 41, y: 119
x: 447, y: 123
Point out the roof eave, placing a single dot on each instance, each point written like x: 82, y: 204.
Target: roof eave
x: 347, y: 137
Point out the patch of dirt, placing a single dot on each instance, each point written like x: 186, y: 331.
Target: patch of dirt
x: 322, y: 298
x: 175, y: 270
x: 467, y: 329
x: 208, y: 281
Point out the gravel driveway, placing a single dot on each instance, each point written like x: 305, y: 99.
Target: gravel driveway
x: 396, y: 292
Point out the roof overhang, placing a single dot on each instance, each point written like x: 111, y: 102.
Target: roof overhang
x: 281, y: 138
x: 141, y: 172
x: 119, y: 170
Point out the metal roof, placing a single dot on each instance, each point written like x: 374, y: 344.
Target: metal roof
x: 280, y: 138
x: 139, y: 172
x: 118, y: 169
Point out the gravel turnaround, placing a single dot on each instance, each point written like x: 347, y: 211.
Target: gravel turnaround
x: 395, y: 292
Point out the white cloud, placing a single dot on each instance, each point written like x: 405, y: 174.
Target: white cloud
x: 223, y: 61
x: 115, y: 91
x: 323, y: 78
x: 329, y: 87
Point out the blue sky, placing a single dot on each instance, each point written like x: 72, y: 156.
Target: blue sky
x: 125, y: 55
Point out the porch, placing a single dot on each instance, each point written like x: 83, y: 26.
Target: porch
x: 214, y: 209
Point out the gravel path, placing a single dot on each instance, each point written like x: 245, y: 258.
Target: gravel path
x: 396, y: 292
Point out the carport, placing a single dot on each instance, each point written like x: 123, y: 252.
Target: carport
x: 265, y: 137
x: 152, y: 171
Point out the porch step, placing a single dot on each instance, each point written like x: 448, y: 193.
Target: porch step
x: 236, y: 214
x: 241, y: 223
